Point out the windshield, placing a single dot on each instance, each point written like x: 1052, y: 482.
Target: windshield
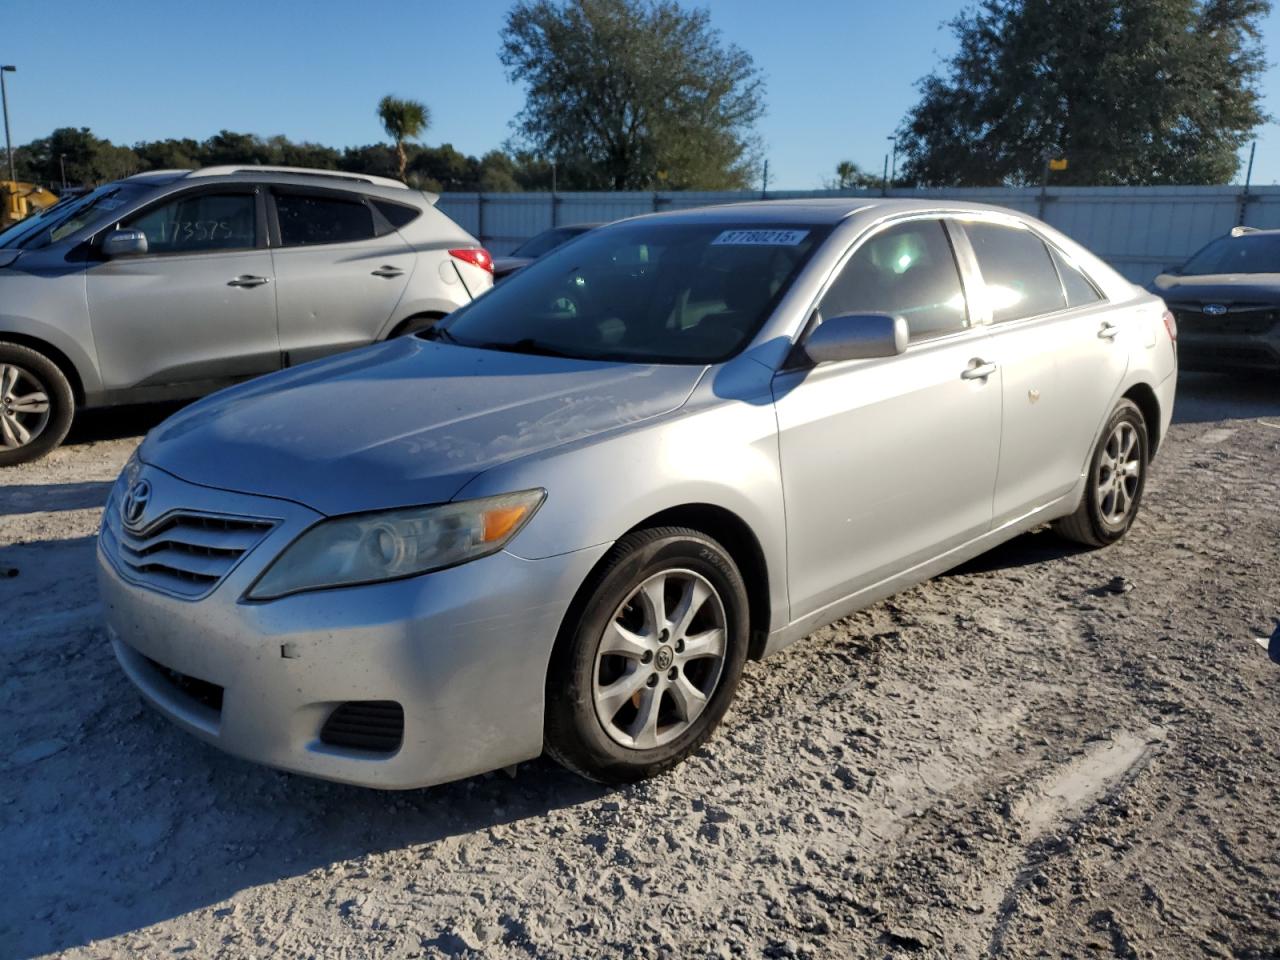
x: 1251, y: 253
x: 67, y: 216
x: 645, y: 292
x: 545, y: 242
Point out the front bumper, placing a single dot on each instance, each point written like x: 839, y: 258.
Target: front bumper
x: 463, y: 651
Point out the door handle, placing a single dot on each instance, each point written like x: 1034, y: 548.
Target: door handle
x: 388, y: 271
x: 248, y: 280
x: 978, y: 369
x: 1108, y: 330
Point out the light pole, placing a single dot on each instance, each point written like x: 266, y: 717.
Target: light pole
x: 893, y: 164
x: 4, y: 98
x: 62, y: 166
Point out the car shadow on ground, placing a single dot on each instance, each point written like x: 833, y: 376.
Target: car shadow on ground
x: 1209, y: 397
x: 52, y: 497
x: 116, y: 423
x: 114, y: 819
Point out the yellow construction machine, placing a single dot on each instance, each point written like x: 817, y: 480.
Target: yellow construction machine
x: 19, y: 200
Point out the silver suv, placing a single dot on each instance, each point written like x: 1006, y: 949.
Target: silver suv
x: 174, y: 283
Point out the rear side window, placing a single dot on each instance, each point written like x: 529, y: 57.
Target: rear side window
x: 309, y: 219
x: 202, y: 221
x: 1078, y: 288
x: 907, y: 270
x: 397, y: 214
x: 1020, y: 277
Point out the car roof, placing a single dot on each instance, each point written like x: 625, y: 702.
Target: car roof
x: 823, y: 210
x: 383, y: 186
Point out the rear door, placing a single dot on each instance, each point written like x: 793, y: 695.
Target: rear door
x: 889, y: 462
x: 198, y: 309
x: 1062, y: 354
x: 340, y: 268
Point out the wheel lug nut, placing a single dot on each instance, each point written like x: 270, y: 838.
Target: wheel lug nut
x: 646, y: 657
x: 679, y: 646
x: 664, y: 635
x: 653, y: 680
x: 673, y: 673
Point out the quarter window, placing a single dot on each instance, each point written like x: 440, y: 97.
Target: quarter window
x: 907, y: 270
x: 309, y: 219
x: 1078, y: 288
x: 202, y: 221
x: 1020, y: 277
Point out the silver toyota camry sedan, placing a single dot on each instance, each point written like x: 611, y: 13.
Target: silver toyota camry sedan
x: 563, y: 518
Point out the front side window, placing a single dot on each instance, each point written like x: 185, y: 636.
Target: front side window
x: 1019, y: 274
x: 907, y: 270
x: 199, y: 222
x: 644, y: 292
x: 309, y: 219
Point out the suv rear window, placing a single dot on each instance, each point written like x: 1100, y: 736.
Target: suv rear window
x: 397, y: 214
x: 308, y: 219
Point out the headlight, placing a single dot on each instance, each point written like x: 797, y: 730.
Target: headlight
x: 391, y: 544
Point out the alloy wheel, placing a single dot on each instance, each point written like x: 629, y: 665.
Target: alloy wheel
x: 24, y: 406
x: 660, y: 659
x: 1119, y: 473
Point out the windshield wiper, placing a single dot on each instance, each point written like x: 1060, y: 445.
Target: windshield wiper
x: 439, y: 333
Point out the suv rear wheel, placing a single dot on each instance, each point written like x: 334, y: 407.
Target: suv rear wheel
x: 36, y: 404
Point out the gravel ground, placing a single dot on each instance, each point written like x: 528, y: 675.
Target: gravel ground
x: 1010, y: 760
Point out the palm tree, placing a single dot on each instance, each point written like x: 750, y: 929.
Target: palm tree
x: 847, y: 174
x: 403, y: 120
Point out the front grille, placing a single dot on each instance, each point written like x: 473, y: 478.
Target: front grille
x: 1241, y: 319
x: 208, y: 695
x: 375, y: 726
x: 182, y: 553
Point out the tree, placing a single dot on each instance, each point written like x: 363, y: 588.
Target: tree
x: 633, y: 94
x: 1129, y: 91
x: 849, y: 176
x: 403, y: 120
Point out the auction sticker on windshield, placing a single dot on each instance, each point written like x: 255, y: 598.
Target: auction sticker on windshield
x: 774, y: 238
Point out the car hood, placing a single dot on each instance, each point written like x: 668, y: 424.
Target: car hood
x: 402, y: 423
x: 1219, y: 287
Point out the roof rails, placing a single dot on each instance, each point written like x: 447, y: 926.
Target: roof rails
x: 302, y: 171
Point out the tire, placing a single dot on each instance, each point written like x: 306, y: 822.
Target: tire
x: 30, y: 427
x: 658, y: 673
x: 1111, y: 497
x: 416, y: 324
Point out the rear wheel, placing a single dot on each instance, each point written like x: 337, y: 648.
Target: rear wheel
x: 36, y: 404
x: 648, y: 667
x: 1117, y: 476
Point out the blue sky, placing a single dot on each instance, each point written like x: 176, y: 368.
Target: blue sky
x: 840, y: 74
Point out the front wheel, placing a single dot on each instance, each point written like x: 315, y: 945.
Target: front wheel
x: 1117, y: 476
x: 648, y: 667
x: 36, y: 404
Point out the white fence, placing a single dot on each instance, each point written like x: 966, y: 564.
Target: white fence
x: 1138, y: 230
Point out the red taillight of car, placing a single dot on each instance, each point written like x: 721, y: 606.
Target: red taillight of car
x: 1171, y: 325
x: 476, y: 256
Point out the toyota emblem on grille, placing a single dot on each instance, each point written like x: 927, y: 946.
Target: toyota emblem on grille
x: 135, y: 502
x: 1214, y: 309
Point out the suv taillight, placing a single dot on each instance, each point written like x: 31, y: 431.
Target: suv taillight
x: 476, y: 256
x: 1171, y: 325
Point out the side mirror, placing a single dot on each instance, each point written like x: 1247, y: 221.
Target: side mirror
x: 857, y: 336
x: 124, y: 243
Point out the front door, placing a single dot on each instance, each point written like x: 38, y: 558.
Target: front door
x: 339, y: 276
x: 889, y: 462
x: 198, y: 309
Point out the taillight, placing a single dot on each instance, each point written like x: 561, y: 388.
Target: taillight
x: 1171, y: 325
x: 476, y: 256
